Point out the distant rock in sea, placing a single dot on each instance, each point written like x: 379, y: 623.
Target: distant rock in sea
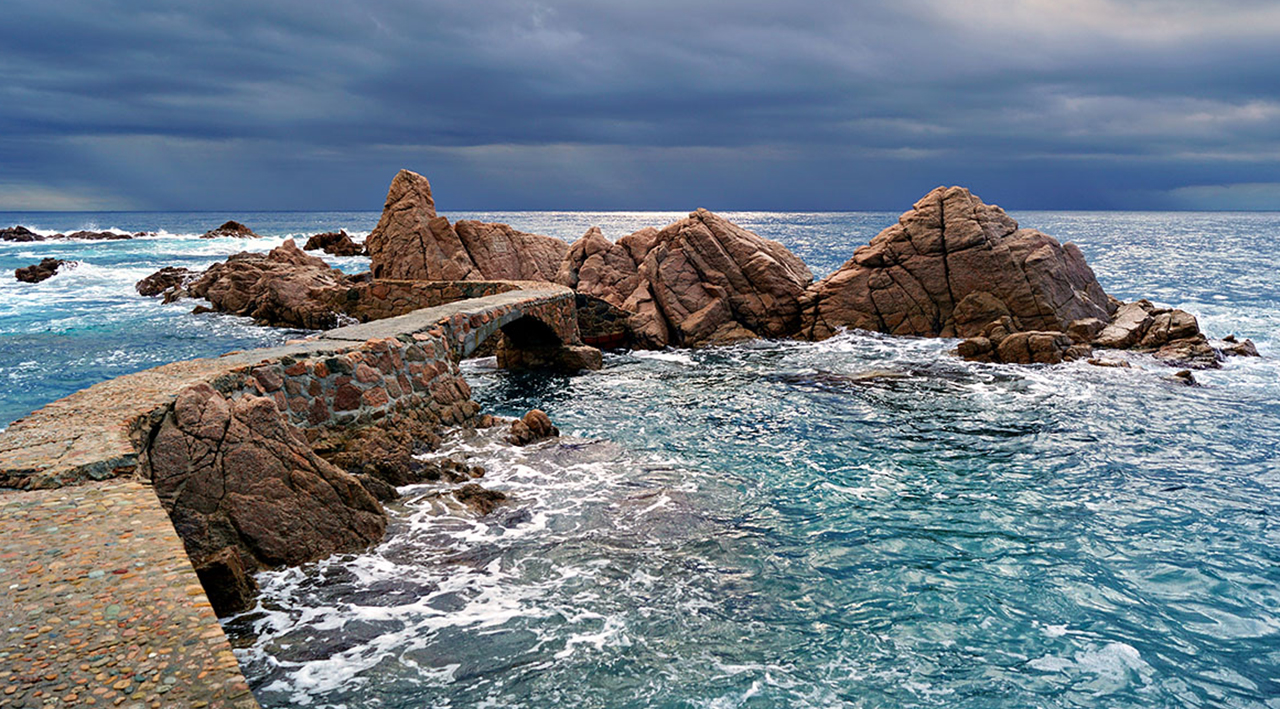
x: 167, y: 279
x: 22, y: 234
x: 230, y: 229
x: 411, y: 242
x: 46, y: 269
x: 335, y: 243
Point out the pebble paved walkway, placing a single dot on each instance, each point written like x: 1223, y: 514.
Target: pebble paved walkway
x: 100, y: 606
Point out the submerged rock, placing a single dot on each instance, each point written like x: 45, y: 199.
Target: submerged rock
x: 411, y: 242
x: 335, y: 243
x: 46, y: 269
x: 951, y: 266
x: 230, y: 229
x: 700, y: 281
x: 481, y: 500
x: 285, y: 287
x: 169, y: 278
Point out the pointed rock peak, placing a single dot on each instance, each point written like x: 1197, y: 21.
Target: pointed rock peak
x: 409, y: 190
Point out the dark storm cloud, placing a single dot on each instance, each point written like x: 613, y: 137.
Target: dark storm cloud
x: 590, y: 104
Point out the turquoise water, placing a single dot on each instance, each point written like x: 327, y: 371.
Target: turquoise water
x: 862, y: 522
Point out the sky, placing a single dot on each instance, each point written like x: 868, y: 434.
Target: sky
x: 623, y: 105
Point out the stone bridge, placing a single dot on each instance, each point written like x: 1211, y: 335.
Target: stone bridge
x: 96, y: 482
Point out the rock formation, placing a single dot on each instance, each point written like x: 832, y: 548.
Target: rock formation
x: 285, y: 287
x: 46, y: 269
x: 702, y: 280
x: 950, y: 267
x: 335, y: 243
x: 169, y: 278
x: 230, y: 229
x: 411, y: 242
x: 1001, y: 342
x: 233, y: 473
x: 22, y: 234
x: 19, y: 233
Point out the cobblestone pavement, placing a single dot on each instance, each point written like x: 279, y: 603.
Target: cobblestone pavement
x: 99, y: 605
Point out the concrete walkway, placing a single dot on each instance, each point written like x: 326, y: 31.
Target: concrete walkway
x: 100, y: 606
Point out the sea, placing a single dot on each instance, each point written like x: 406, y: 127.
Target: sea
x: 866, y: 521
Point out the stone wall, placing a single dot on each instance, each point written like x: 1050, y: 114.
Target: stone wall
x: 385, y: 299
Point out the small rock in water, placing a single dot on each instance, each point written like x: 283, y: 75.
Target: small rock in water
x: 533, y: 427
x: 479, y: 499
x: 1108, y: 362
x: 42, y: 271
x: 231, y: 228
x: 1185, y: 377
x: 19, y: 233
x: 164, y: 280
x: 1235, y: 348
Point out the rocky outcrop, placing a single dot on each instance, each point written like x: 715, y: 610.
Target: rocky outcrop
x: 169, y: 278
x: 950, y: 267
x: 232, y: 472
x: 411, y: 242
x: 702, y: 280
x: 285, y: 287
x: 335, y: 243
x: 19, y: 233
x: 46, y: 269
x: 1171, y: 335
x: 22, y: 234
x: 230, y: 229
x: 94, y: 236
x: 481, y: 500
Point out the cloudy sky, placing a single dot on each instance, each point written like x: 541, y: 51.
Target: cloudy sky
x: 618, y: 104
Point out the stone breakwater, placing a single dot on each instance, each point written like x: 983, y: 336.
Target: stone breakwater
x: 224, y: 446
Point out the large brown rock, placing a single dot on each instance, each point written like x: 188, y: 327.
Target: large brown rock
x: 948, y: 268
x: 285, y: 287
x: 235, y: 473
x: 411, y: 242
x: 702, y: 280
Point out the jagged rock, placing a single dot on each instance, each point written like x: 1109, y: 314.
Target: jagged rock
x: 479, y: 499
x: 1191, y: 352
x: 19, y: 233
x: 533, y: 427
x: 947, y: 267
x: 166, y: 279
x: 234, y: 472
x: 46, y: 269
x: 1170, y: 335
x: 1085, y: 329
x: 230, y: 229
x: 285, y: 287
x: 227, y: 583
x: 1234, y: 348
x: 997, y: 344
x: 411, y: 242
x: 1186, y: 378
x: 335, y: 243
x: 702, y: 280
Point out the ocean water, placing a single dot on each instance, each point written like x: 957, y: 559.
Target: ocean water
x: 862, y: 522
